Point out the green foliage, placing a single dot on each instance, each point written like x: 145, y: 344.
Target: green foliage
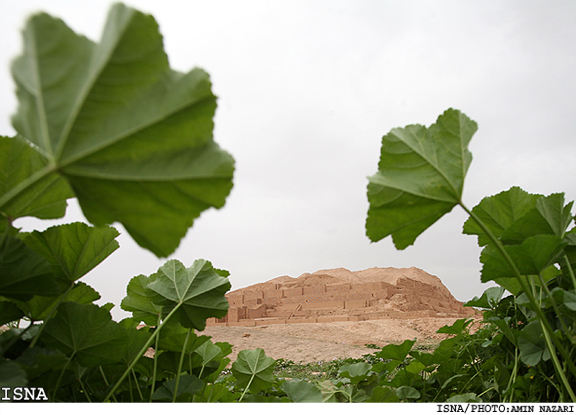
x: 95, y: 114
x: 253, y: 370
x: 112, y: 125
x: 420, y: 177
x: 527, y: 245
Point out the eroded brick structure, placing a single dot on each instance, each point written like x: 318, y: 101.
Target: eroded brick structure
x: 390, y: 293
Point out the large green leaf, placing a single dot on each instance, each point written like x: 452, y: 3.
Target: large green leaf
x: 86, y: 332
x: 499, y: 212
x: 39, y: 307
x: 45, y: 198
x: 139, y: 302
x: 196, y: 293
x: 74, y: 249
x: 254, y: 370
x: 302, y: 391
x: 420, y: 177
x: 531, y: 257
x: 132, y: 137
x: 23, y: 272
x: 532, y: 345
x: 548, y: 217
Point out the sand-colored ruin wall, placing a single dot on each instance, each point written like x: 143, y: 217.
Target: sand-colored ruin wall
x: 277, y: 305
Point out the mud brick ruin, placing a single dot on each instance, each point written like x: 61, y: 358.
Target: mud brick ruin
x: 342, y: 295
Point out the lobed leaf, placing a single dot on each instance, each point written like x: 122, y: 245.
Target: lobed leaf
x: 531, y: 257
x: 499, y: 212
x: 132, y: 137
x: 532, y: 345
x: 74, y: 249
x: 141, y: 302
x: 86, y: 332
x: 420, y: 177
x: 196, y: 292
x: 254, y: 370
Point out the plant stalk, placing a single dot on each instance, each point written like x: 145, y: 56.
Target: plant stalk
x: 141, y: 352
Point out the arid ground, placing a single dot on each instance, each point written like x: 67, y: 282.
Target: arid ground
x: 328, y: 341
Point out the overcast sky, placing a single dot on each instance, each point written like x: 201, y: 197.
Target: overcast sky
x: 306, y: 91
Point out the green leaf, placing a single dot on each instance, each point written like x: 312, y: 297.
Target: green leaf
x: 12, y: 375
x: 36, y: 361
x: 464, y: 397
x: 302, y: 391
x: 499, y: 212
x: 548, y: 217
x: 74, y: 249
x: 531, y: 257
x: 489, y: 299
x: 86, y: 332
x: 458, y: 327
x: 46, y: 198
x: 135, y: 339
x: 383, y: 394
x: 532, y: 345
x: 396, y: 351
x: 140, y: 302
x: 415, y: 367
x: 427, y: 359
x: 420, y: 177
x: 197, y: 291
x: 407, y: 392
x: 38, y: 307
x: 9, y: 312
x: 208, y: 351
x: 23, y: 272
x: 565, y: 298
x: 254, y: 370
x: 132, y: 137
x: 173, y: 336
x: 356, y: 372
x: 188, y: 385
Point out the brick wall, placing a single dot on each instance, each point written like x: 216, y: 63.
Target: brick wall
x: 275, y: 305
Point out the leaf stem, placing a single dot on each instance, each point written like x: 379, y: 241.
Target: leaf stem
x: 155, y: 363
x: 570, y: 271
x: 247, y: 386
x: 180, y: 366
x: 141, y: 352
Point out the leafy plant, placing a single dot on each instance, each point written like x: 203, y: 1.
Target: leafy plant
x: 112, y: 125
x: 528, y: 245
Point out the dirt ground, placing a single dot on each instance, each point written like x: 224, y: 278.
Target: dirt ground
x: 314, y: 342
